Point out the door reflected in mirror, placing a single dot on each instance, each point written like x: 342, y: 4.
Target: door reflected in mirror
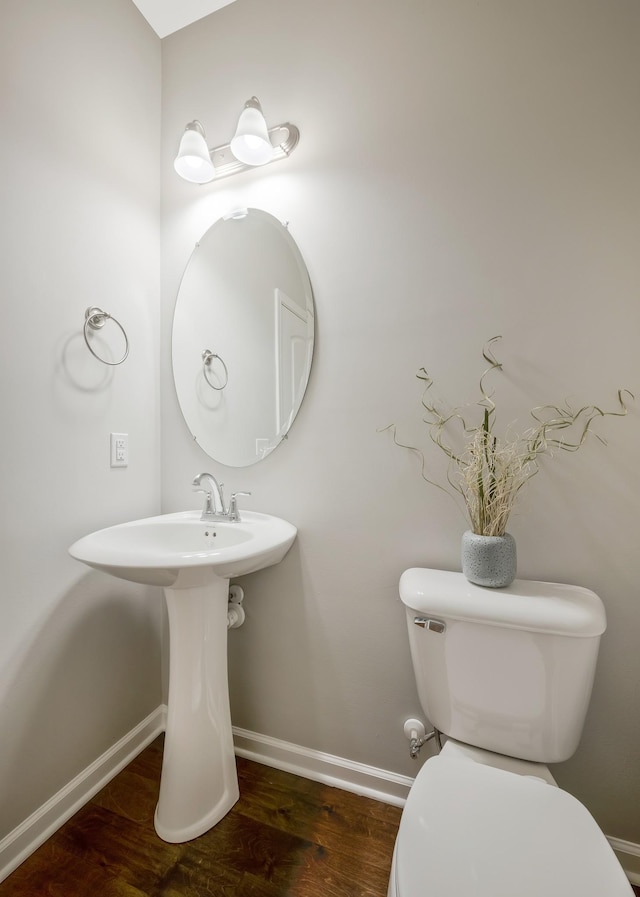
x: 243, y: 333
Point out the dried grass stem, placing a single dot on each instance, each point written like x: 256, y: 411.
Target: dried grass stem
x: 489, y: 471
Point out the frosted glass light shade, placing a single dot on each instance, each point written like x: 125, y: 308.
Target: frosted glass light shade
x: 193, y: 162
x: 251, y: 143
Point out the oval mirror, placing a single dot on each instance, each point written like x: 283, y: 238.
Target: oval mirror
x: 243, y: 332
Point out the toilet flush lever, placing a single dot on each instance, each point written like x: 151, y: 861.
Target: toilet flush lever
x: 432, y: 625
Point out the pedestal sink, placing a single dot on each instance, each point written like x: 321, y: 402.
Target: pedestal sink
x: 193, y: 561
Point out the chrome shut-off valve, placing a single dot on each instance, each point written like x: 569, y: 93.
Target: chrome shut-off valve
x: 415, y: 731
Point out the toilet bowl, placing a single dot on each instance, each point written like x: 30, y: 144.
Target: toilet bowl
x: 485, y: 818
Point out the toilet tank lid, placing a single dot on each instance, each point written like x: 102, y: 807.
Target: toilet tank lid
x: 548, y: 607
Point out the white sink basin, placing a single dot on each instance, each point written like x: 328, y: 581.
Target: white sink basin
x: 179, y: 551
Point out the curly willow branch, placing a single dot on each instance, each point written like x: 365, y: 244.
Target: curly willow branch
x: 490, y: 471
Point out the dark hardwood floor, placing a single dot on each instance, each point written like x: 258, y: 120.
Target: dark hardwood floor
x: 285, y: 836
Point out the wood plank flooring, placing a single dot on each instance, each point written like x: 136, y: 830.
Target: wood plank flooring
x: 286, y: 837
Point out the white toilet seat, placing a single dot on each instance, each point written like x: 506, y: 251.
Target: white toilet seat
x: 469, y: 828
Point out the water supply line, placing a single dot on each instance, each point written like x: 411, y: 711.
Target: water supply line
x: 415, y: 731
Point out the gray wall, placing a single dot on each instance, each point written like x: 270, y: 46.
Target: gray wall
x: 465, y: 169
x: 79, y: 652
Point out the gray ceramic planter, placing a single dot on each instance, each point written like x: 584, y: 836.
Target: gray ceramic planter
x: 489, y: 560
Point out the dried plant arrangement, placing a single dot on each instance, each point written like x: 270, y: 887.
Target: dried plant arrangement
x: 488, y: 470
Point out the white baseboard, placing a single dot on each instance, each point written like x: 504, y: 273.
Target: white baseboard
x: 35, y: 830
x: 628, y: 854
x: 359, y: 778
x: 368, y: 781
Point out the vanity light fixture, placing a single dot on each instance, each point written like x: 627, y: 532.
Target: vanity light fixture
x: 253, y: 144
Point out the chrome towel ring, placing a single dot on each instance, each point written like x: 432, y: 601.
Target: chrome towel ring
x: 207, y: 358
x: 95, y: 318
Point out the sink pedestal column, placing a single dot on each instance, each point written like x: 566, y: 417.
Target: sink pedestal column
x: 199, y: 783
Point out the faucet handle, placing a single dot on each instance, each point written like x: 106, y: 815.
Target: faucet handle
x: 209, y: 507
x: 233, y: 506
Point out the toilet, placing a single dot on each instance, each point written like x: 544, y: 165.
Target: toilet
x: 505, y: 677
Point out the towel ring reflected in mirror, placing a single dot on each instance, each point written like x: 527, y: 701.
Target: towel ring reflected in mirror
x: 207, y: 358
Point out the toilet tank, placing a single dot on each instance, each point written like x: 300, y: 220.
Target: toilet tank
x: 509, y: 670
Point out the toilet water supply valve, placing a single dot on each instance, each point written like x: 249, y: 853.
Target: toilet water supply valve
x: 415, y: 731
x: 235, y: 610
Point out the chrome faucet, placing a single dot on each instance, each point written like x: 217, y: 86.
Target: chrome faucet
x: 214, y: 508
